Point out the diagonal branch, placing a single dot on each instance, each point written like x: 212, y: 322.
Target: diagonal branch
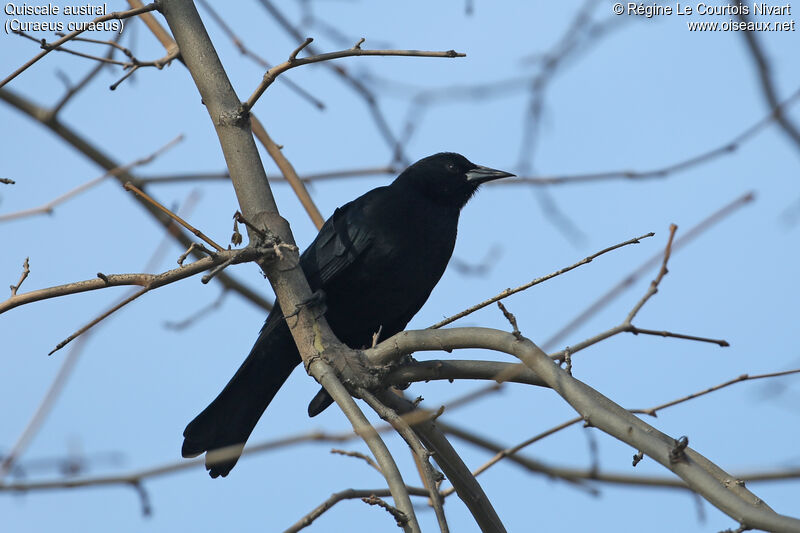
x: 430, y: 477
x: 288, y: 172
x: 508, y: 292
x: 767, y: 84
x: 48, y: 207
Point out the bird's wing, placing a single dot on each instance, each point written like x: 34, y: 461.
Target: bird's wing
x: 343, y: 238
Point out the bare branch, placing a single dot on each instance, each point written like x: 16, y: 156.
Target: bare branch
x: 41, y: 412
x: 767, y: 84
x: 48, y: 207
x: 147, y: 281
x: 449, y: 461
x: 64, y: 372
x: 629, y: 280
x: 255, y: 57
x: 98, y: 319
x: 288, y: 172
x: 347, y: 494
x: 26, y: 269
x: 358, y: 86
x: 702, y: 476
x: 511, y: 453
x: 739, y: 379
x: 199, y: 234
x: 72, y: 90
x: 452, y: 369
x: 92, y: 152
x: 7, y: 181
x: 130, y: 66
x: 579, y: 476
x: 358, y: 455
x: 430, y: 477
x: 661, y: 273
x: 293, y: 62
x: 398, y: 515
x: 720, y: 342
x: 728, y: 148
x: 191, y: 319
x: 508, y: 292
x: 53, y: 46
x: 308, y: 178
x: 175, y: 466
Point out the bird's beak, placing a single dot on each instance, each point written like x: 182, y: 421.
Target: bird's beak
x: 481, y: 174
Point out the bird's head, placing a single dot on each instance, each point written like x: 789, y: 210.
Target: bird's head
x: 448, y: 178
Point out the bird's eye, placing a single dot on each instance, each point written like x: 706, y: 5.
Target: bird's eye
x: 451, y: 167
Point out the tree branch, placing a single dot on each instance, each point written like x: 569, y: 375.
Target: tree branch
x: 508, y: 292
x: 46, y: 118
x: 148, y: 281
x: 53, y: 46
x: 700, y: 474
x: 293, y: 62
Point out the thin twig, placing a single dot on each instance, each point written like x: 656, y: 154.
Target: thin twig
x: 636, y: 330
x: 662, y: 172
x: 653, y: 288
x: 347, y: 494
x: 508, y: 292
x: 237, y: 42
x: 26, y: 269
x: 53, y: 46
x: 739, y: 379
x: 288, y: 172
x: 651, y: 411
x: 199, y: 234
x: 629, y: 280
x: 97, y: 156
x: 72, y: 90
x: 364, y: 457
x: 398, y: 515
x: 65, y: 371
x: 767, y: 84
x: 502, y: 453
x: 203, y: 311
x: 47, y: 208
x: 293, y: 62
x: 150, y: 281
x: 359, y: 87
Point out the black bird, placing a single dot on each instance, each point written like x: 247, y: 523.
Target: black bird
x: 376, y: 260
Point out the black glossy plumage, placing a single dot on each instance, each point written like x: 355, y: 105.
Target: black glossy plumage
x: 377, y: 260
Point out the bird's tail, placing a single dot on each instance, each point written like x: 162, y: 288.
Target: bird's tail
x: 225, y: 425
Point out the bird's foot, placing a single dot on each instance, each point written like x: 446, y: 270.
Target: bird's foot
x: 317, y: 299
x: 355, y: 370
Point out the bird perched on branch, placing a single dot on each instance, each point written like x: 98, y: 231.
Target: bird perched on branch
x: 376, y: 260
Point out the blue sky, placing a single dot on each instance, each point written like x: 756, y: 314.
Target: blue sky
x: 646, y: 94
